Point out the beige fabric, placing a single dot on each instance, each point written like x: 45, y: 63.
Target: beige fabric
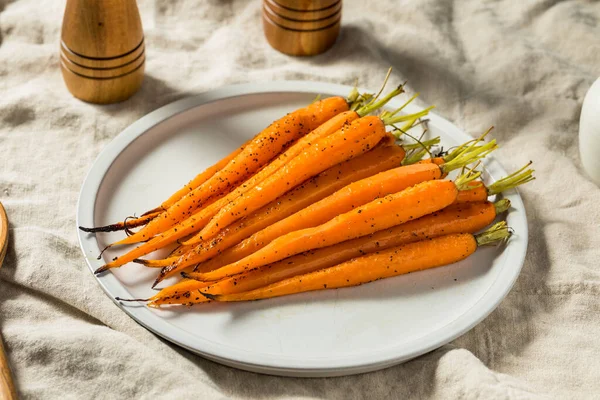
x: 523, y: 66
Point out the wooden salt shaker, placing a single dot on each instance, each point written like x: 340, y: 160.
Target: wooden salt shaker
x: 302, y: 27
x: 102, y: 53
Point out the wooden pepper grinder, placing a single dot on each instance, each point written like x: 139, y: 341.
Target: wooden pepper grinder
x: 102, y: 50
x: 302, y: 27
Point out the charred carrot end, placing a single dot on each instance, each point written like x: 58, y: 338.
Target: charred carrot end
x: 102, y: 269
x: 156, y: 210
x: 156, y: 263
x: 128, y: 223
x: 122, y: 299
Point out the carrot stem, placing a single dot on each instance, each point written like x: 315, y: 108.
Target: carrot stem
x: 419, y: 150
x: 464, y: 180
x: 419, y: 145
x: 501, y: 206
x: 496, y: 234
x: 385, y: 81
x: 390, y: 119
x: 375, y: 105
x: 513, y: 180
x: 396, y: 111
x: 469, y: 155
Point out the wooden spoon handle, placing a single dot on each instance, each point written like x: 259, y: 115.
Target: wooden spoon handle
x: 7, y: 387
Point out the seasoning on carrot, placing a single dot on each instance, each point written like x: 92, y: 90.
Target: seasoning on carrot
x: 457, y: 218
x: 396, y: 261
x: 151, y: 214
x: 383, y: 157
x: 412, y: 203
x: 344, y: 200
x: 199, y: 219
x: 257, y: 153
x: 357, y: 138
x: 128, y: 223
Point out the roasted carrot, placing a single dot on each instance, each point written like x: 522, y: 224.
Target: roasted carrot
x: 355, y: 100
x: 412, y: 203
x: 395, y: 261
x: 326, y: 209
x: 199, y: 219
x: 150, y: 215
x: 344, y: 200
x: 357, y: 138
x: 128, y: 223
x: 457, y: 218
x: 181, y: 250
x: 383, y: 157
x: 328, y: 127
x: 257, y: 153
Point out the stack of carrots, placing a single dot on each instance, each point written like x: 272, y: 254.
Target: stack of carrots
x: 323, y: 198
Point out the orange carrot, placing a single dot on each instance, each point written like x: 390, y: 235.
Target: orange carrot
x: 351, y: 196
x: 257, y: 153
x: 127, y: 224
x: 357, y: 138
x: 409, y: 204
x: 198, y: 220
x: 150, y: 215
x: 356, y: 194
x: 457, y: 218
x: 396, y: 261
x: 201, y: 178
x: 383, y: 157
x: 344, y: 200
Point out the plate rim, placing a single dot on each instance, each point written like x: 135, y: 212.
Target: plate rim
x: 271, y: 364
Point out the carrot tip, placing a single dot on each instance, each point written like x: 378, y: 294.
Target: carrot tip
x: 121, y: 299
x: 159, y: 279
x: 210, y: 296
x: 101, y: 269
x: 102, y: 252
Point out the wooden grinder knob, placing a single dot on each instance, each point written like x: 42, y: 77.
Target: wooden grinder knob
x: 302, y: 27
x: 102, y: 53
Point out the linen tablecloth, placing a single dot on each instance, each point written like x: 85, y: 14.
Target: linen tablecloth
x: 523, y: 66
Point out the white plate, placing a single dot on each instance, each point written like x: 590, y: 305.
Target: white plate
x: 326, y: 333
